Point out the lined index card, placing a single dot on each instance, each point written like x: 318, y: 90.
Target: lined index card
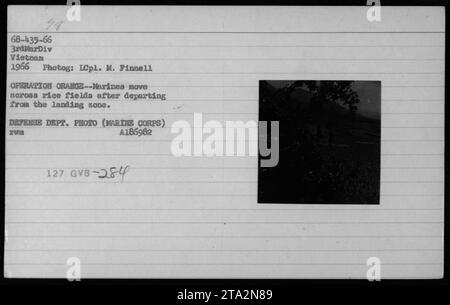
x: 94, y: 190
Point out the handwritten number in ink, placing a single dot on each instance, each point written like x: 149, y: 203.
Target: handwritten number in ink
x: 113, y: 172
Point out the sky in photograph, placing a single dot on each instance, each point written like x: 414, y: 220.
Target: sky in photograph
x: 369, y: 93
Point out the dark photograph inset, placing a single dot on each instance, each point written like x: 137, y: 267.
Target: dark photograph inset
x: 329, y: 142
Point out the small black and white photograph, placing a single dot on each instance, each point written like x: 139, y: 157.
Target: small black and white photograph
x: 329, y: 141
